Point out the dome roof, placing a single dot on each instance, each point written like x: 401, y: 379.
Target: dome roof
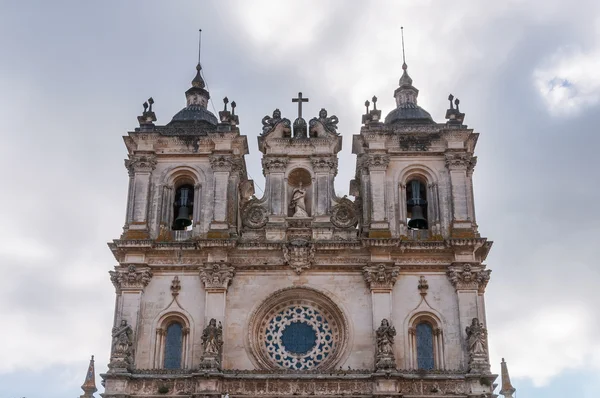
x: 194, y: 114
x: 409, y: 113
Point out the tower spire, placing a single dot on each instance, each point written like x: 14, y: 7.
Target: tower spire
x: 404, y: 66
x: 507, y: 389
x: 198, y: 81
x: 89, y: 385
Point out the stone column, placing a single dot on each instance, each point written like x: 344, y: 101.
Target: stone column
x: 381, y: 277
x: 223, y: 166
x: 274, y: 170
x: 457, y: 164
x: 470, y: 281
x: 217, y: 277
x: 129, y: 281
x: 325, y: 169
x: 402, y: 227
x: 377, y: 164
x: 140, y: 167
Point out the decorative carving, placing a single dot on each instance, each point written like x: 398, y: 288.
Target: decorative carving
x: 148, y: 116
x: 216, y: 275
x: 122, y: 348
x: 381, y: 276
x: 268, y: 334
x: 130, y: 278
x: 212, y: 344
x: 378, y: 162
x: 477, y: 348
x: 254, y: 215
x: 329, y: 123
x: 385, y: 346
x: 423, y: 286
x: 460, y: 160
x: 227, y: 117
x: 297, y: 202
x: 415, y: 143
x: 175, y: 286
x: 226, y: 163
x: 140, y: 163
x: 466, y: 278
x: 371, y: 116
x: 299, y: 254
x: 274, y: 164
x: 325, y: 164
x: 270, y: 123
x: 344, y: 214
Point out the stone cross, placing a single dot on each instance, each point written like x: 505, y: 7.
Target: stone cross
x: 299, y: 100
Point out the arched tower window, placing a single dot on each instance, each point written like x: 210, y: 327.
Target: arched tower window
x: 173, y: 346
x: 425, y: 343
x: 424, y: 337
x: 183, y: 207
x: 416, y: 204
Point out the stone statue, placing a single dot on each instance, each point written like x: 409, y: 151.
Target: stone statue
x: 385, y: 346
x: 270, y: 123
x: 212, y: 342
x: 297, y: 203
x: 477, y: 346
x: 121, y: 347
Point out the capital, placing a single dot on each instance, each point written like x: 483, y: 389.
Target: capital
x: 226, y: 163
x: 378, y: 162
x: 130, y: 277
x: 381, y: 276
x: 460, y: 161
x: 140, y: 163
x: 325, y: 164
x: 216, y: 275
x: 274, y: 164
x: 469, y: 277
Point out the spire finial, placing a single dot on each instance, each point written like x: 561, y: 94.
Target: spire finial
x: 89, y: 385
x: 199, y: 44
x: 507, y: 389
x: 404, y: 66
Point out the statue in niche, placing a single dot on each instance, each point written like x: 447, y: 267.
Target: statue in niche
x: 212, y: 341
x: 122, y: 338
x: 385, y: 346
x: 477, y: 345
x: 297, y: 203
x: 122, y: 343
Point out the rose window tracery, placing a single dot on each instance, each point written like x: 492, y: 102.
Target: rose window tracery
x: 298, y: 329
x: 299, y: 337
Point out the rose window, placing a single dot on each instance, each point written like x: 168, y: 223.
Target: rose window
x: 297, y: 329
x: 299, y: 337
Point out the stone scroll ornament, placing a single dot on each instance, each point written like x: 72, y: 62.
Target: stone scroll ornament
x: 212, y: 344
x: 122, y: 348
x: 329, y: 123
x: 344, y: 214
x: 270, y: 123
x: 477, y: 345
x: 385, y: 346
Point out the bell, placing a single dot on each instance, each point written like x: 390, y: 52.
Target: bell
x: 183, y: 219
x: 417, y: 221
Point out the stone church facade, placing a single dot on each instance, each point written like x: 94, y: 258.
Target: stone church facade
x: 300, y: 292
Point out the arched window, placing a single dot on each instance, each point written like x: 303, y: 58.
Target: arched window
x: 183, y: 207
x: 425, y: 343
x: 173, y: 346
x: 416, y: 204
x: 424, y: 337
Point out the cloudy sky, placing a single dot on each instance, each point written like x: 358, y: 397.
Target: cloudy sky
x: 73, y: 76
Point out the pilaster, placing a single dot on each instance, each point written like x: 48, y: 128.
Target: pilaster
x: 377, y: 165
x: 140, y: 167
x: 381, y: 277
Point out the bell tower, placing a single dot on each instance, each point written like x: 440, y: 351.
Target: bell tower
x: 300, y: 292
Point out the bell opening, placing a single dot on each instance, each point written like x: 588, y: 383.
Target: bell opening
x: 183, y: 208
x: 416, y: 203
